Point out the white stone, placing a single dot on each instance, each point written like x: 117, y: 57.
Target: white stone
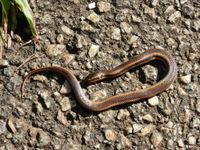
x: 94, y: 49
x: 66, y: 88
x: 156, y: 139
x: 181, y: 143
x: 172, y: 18
x: 191, y: 140
x: 92, y: 5
x: 110, y: 135
x: 154, y: 101
x: 115, y: 33
x: 186, y: 79
x: 67, y: 30
x: 133, y: 40
x: 137, y: 127
x: 93, y: 17
x: 103, y: 6
x: 55, y: 49
x: 4, y: 63
x: 65, y: 104
x: 147, y: 129
x: 148, y: 118
x: 125, y: 27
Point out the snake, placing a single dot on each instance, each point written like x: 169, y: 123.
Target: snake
x: 122, y: 98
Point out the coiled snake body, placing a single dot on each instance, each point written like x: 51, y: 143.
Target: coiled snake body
x: 133, y: 96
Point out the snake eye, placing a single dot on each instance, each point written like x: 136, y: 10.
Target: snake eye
x: 94, y: 77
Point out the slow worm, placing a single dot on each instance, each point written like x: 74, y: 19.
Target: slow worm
x: 133, y: 96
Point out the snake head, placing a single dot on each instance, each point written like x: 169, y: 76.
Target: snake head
x: 94, y: 77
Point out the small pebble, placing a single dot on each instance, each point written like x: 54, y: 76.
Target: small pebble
x: 57, y: 94
x: 88, y: 65
x: 147, y: 129
x: 169, y: 9
x: 88, y: 137
x: 115, y: 33
x: 129, y: 129
x: 198, y: 141
x: 43, y: 138
x: 150, y: 11
x: 191, y: 140
x: 167, y: 111
x: 110, y: 135
x: 137, y: 127
x: 173, y: 17
x: 196, y: 67
x: 20, y: 111
x: 60, y: 38
x: 94, y: 49
x: 198, y: 106
x: 125, y: 27
x: 183, y: 1
x: 150, y: 73
x: 55, y: 49
x: 103, y: 6
x: 87, y: 27
x: 192, y: 56
x: 80, y: 41
x: 154, y: 101
x: 181, y: 143
x: 181, y: 91
x: 123, y: 114
x: 61, y: 117
x: 40, y: 78
x: 66, y: 88
x: 195, y: 123
x: 67, y: 58
x: 37, y: 108
x: 45, y: 97
x: 3, y: 128
x: 196, y: 25
x: 65, y: 104
x: 11, y: 125
x: 33, y: 132
x: 171, y: 42
x: 124, y: 143
x: 67, y: 30
x: 147, y: 118
x: 46, y: 19
x: 186, y: 79
x: 4, y: 63
x: 92, y: 5
x: 154, y: 2
x: 108, y: 116
x: 170, y: 144
x: 98, y: 95
x: 93, y: 17
x: 133, y: 40
x: 136, y: 19
x: 169, y: 125
x: 156, y: 138
x: 188, y: 11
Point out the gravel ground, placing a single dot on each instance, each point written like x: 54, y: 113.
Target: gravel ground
x: 86, y: 36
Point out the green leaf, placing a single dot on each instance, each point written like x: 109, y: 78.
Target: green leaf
x: 5, y: 10
x: 5, y: 5
x: 1, y: 37
x: 24, y: 7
